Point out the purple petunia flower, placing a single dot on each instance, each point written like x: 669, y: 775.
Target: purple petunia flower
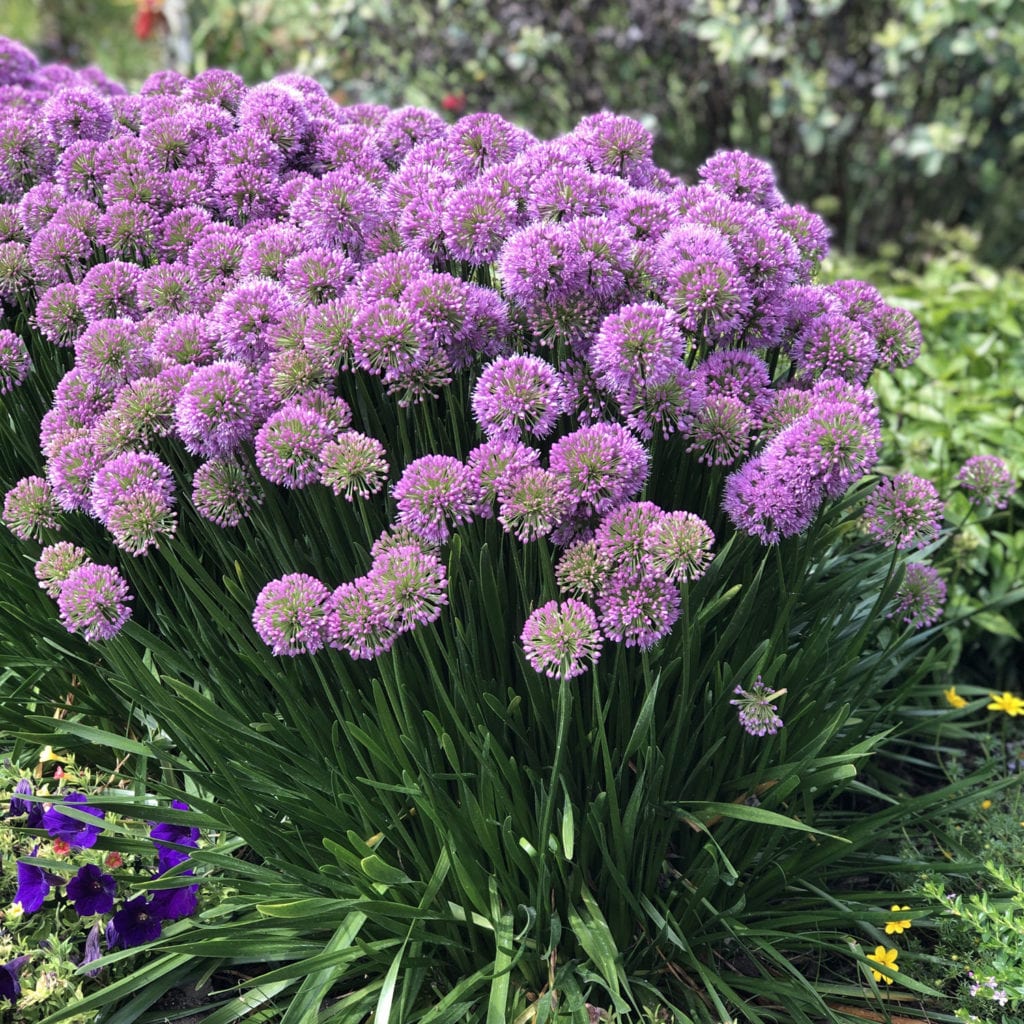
x: 135, y: 924
x: 32, y: 809
x: 92, y: 950
x: 434, y: 494
x: 920, y: 597
x: 91, y: 891
x: 173, y: 904
x: 15, y: 362
x: 559, y: 637
x: 904, y: 511
x: 757, y: 714
x: 93, y: 601
x: 10, y: 987
x: 290, y: 614
x: 516, y: 396
x: 33, y: 883
x: 78, y: 834
x: 987, y: 481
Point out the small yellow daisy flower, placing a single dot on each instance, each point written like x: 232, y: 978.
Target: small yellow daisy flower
x: 884, y: 958
x: 953, y: 699
x: 1007, y: 702
x: 986, y: 804
x: 897, y: 927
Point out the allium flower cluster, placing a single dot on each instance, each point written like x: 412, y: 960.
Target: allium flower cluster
x: 921, y: 596
x: 904, y: 511
x: 757, y: 713
x: 559, y: 638
x: 987, y: 481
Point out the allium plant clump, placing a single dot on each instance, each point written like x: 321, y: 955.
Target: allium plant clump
x: 446, y: 486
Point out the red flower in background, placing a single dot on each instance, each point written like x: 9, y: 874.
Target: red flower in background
x: 453, y: 102
x: 148, y: 14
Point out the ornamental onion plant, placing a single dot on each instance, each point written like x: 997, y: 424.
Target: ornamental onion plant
x: 471, y: 524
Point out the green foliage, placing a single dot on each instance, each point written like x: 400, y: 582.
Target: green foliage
x: 887, y: 114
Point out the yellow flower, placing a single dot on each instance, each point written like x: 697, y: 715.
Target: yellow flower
x: 1009, y: 703
x: 986, y: 804
x: 884, y: 958
x: 14, y: 911
x: 896, y: 927
x: 953, y: 699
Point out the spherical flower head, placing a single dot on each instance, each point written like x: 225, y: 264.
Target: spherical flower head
x: 639, y: 342
x: 135, y: 924
x: 216, y: 254
x: 987, y: 481
x: 583, y: 569
x: 186, y: 338
x: 130, y: 230
x: 532, y: 503
x: 59, y: 254
x: 15, y: 362
x: 491, y: 463
x: 318, y: 275
x: 740, y: 176
x: 278, y: 112
x: 339, y: 210
x: 18, y: 64
x: 410, y: 583
x: 224, y: 492
x: 921, y: 596
x: 897, y: 336
x: 140, y: 519
x: 291, y: 614
x: 602, y: 464
x: 81, y: 835
x: 435, y: 494
x: 112, y: 352
x: 638, y: 606
x: 220, y: 407
x: 404, y: 128
x: 559, y: 638
x: 541, y: 263
x: 680, y: 545
x: 904, y: 511
x: 356, y: 622
x: 124, y: 474
x: 353, y: 464
x: 245, y: 317
x: 757, y: 714
x: 479, y: 141
x: 477, y: 220
x: 56, y: 563
x: 771, y: 497
x: 719, y: 434
x: 614, y: 144
x: 288, y: 446
x: 268, y: 250
x: 625, y: 533
x: 833, y: 345
x: 1009, y: 703
x: 91, y: 891
x: 16, y: 277
x: 388, y: 276
x: 59, y: 316
x: 388, y: 339
x: 810, y: 233
x: 181, y: 229
x: 110, y: 290
x: 30, y: 508
x: 93, y: 601
x: 217, y: 88
x: 518, y: 398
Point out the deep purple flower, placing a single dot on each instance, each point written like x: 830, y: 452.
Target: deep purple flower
x: 94, y: 602
x: 516, y: 396
x: 15, y: 362
x: 135, y: 924
x: 220, y: 407
x: 33, y: 883
x: 638, y: 606
x: 30, y: 508
x: 559, y: 637
x: 757, y: 714
x: 78, y: 834
x: 10, y: 987
x: 224, y: 492
x: 32, y: 809
x: 91, y: 891
x: 771, y: 497
x: 740, y: 176
x: 434, y: 494
x: 290, y: 614
x: 904, y: 511
x: 987, y: 481
x: 602, y: 465
x: 288, y: 446
x: 833, y: 345
x: 173, y: 904
x: 920, y: 597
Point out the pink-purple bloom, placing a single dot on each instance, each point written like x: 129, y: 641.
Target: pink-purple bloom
x: 435, y: 494
x: 15, y: 362
x: 561, y: 638
x: 920, y: 597
x: 903, y: 511
x: 291, y: 614
x: 757, y: 713
x: 93, y: 601
x: 987, y: 481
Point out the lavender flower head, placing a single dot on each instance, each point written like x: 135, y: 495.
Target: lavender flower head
x: 680, y: 545
x: 638, y: 606
x: 559, y: 638
x: 288, y: 446
x: 740, y: 176
x: 920, y: 597
x: 356, y: 622
x: 757, y: 714
x: 533, y: 502
x: 516, y: 396
x: 30, y: 508
x: 987, y: 481
x: 583, y: 569
x: 904, y: 511
x: 220, y: 407
x: 291, y: 614
x: 771, y: 496
x: 410, y: 583
x: 625, y: 533
x: 94, y: 601
x: 245, y: 318
x: 353, y: 464
x: 59, y: 316
x: 15, y: 362
x: 224, y: 492
x: 56, y: 563
x: 603, y: 465
x: 435, y: 494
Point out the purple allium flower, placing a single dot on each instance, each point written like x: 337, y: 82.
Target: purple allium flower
x: 220, y: 407
x: 288, y: 446
x: 388, y: 276
x: 897, y: 335
x: 637, y: 343
x: 216, y: 254
x: 625, y: 532
x: 59, y: 254
x: 18, y: 64
x: 181, y: 229
x: 404, y: 128
x: 833, y: 345
x: 339, y: 210
x: 740, y: 176
x: 757, y: 714
x: 719, y: 434
x: 16, y: 277
x: 786, y: 406
x: 613, y: 144
x: 56, y: 563
x: 30, y: 508
x: 91, y: 891
x: 490, y: 463
x: 76, y: 833
x: 410, y: 584
x: 38, y: 205
x: 533, y: 502
x: 353, y: 464
x: 129, y: 171
x: 904, y: 511
x: 604, y: 249
x: 479, y: 141
x: 566, y: 193
x: 386, y: 339
x: 135, y: 924
x: 742, y: 375
x: 79, y: 172
x: 291, y: 372
x: 277, y: 112
x: 328, y: 332
x: 218, y: 88
x: 110, y: 290
x: 583, y: 569
x: 94, y: 602
x: 771, y: 497
x: 169, y: 290
x: 124, y: 474
x: 111, y: 352
x: 246, y: 315
x: 317, y: 275
x: 224, y: 492
x: 920, y: 597
x: 187, y: 338
x: 335, y: 410
x: 808, y: 231
x: 602, y: 465
x: 33, y: 884
x: 129, y: 231
x: 269, y: 249
x: 59, y: 316
x: 987, y: 481
x: 357, y: 624
x: 291, y: 614
x: 559, y: 637
x: 638, y: 606
x: 140, y: 518
x: 680, y: 545
x: 541, y: 263
x: 435, y: 494
x: 517, y: 395
x: 477, y: 220
x: 15, y: 362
